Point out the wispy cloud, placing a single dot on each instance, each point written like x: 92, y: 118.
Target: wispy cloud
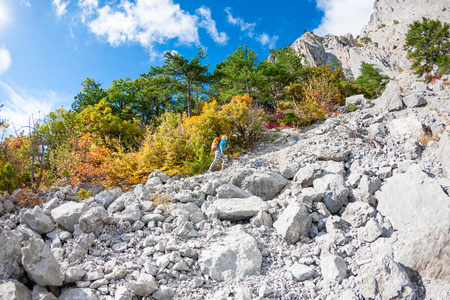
x: 210, y: 25
x: 25, y: 3
x: 22, y: 106
x: 88, y: 8
x: 266, y: 40
x: 343, y: 16
x: 248, y: 27
x: 60, y: 7
x: 5, y: 60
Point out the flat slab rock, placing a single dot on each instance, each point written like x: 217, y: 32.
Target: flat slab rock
x: 234, y: 209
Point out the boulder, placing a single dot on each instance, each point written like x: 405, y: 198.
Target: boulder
x: 264, y: 185
x: 106, y: 197
x: 123, y: 201
x: 184, y: 196
x: 414, y: 100
x: 13, y: 289
x: 37, y: 220
x: 334, y: 191
x: 301, y: 272
x: 355, y: 100
x: 333, y: 154
x: 145, y: 285
x: 333, y: 267
x: 405, y: 200
x: 309, y: 196
x: 391, y: 99
x: 306, y: 176
x: 10, y: 255
x: 40, y: 263
x: 231, y: 191
x: 262, y: 219
x: 94, y: 220
x: 444, y: 153
x: 406, y: 128
x: 78, y: 294
x: 68, y: 214
x: 294, y: 222
x: 235, y: 256
x: 41, y: 293
x: 234, y: 209
x: 358, y: 213
x: 371, y: 231
x: 131, y: 213
x: 391, y: 279
x: 143, y: 193
x: 164, y: 293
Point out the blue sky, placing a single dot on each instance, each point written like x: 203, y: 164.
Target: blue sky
x: 48, y: 47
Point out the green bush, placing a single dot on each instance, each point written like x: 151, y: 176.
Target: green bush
x: 351, y: 107
x: 428, y: 45
x: 371, y: 80
x: 365, y: 39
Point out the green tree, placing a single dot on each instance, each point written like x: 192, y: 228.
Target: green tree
x: 90, y: 94
x: 121, y: 96
x: 186, y: 73
x: 284, y: 66
x: 428, y: 44
x: 236, y: 75
x: 371, y: 80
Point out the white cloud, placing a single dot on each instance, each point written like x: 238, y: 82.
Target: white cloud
x: 21, y: 107
x: 265, y: 39
x: 5, y: 60
x: 343, y: 16
x: 25, y: 3
x: 249, y: 27
x: 145, y: 22
x: 60, y: 7
x: 88, y: 8
x: 210, y: 26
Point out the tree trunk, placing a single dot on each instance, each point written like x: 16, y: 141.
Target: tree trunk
x: 189, y: 100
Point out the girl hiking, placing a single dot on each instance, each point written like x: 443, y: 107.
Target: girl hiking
x: 222, y: 146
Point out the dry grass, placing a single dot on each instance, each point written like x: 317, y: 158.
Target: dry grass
x: 161, y: 199
x: 426, y: 138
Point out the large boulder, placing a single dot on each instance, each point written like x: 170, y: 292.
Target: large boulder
x: 94, y: 220
x: 236, y: 256
x: 231, y: 191
x: 413, y: 200
x: 444, y: 153
x: 37, y: 220
x: 106, y: 197
x: 358, y: 213
x: 306, y: 176
x: 234, y: 209
x: 419, y: 209
x: 390, y: 277
x: 10, y: 255
x: 68, y: 214
x: 334, y: 191
x: 391, y: 99
x: 264, y: 185
x: 13, y: 289
x: 414, y: 100
x: 406, y: 128
x: 294, y: 222
x: 333, y: 267
x: 40, y: 263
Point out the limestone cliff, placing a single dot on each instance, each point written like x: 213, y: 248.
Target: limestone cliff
x: 380, y: 43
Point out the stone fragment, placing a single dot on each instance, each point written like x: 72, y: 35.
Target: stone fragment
x: 145, y: 285
x: 78, y: 294
x: 414, y: 100
x: 358, y: 213
x: 41, y: 293
x: 306, y: 176
x: 68, y: 214
x: 10, y: 255
x: 354, y: 100
x: 13, y: 289
x: 334, y: 191
x: 293, y: 223
x: 40, y: 263
x: 184, y: 196
x: 444, y: 153
x: 106, y: 197
x: 74, y: 274
x: 406, y: 128
x: 164, y: 293
x: 301, y: 272
x: 391, y: 99
x: 231, y: 191
x: 262, y: 219
x: 333, y: 268
x: 264, y: 185
x: 236, y: 256
x: 37, y: 220
x: 334, y: 154
x: 371, y: 231
x: 234, y: 209
x: 94, y: 220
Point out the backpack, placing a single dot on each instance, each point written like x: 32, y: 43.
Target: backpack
x: 215, y: 144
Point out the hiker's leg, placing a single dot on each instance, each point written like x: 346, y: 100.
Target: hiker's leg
x: 224, y: 160
x: 216, y: 158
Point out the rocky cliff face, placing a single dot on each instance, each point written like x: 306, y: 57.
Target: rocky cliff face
x: 386, y: 35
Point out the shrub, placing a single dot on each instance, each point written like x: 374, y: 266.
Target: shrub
x: 83, y: 194
x: 365, y: 39
x: 371, y: 80
x: 428, y: 44
x: 396, y: 22
x: 351, y: 107
x: 359, y: 45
